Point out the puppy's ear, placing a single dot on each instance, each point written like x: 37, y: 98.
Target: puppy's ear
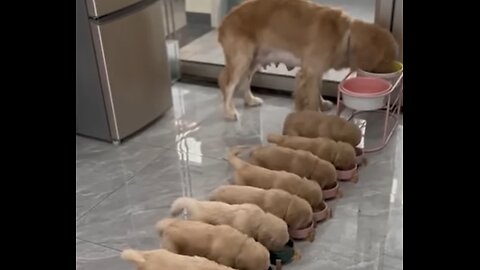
x: 263, y: 236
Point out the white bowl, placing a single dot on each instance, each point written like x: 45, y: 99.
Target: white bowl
x: 390, y: 77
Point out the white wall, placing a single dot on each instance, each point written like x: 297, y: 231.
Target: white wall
x: 200, y: 6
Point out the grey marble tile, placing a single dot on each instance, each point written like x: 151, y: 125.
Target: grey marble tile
x: 366, y: 231
x: 127, y: 218
x: 197, y: 125
x: 101, y: 168
x: 94, y: 257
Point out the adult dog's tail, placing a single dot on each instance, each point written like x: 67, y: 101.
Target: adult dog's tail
x: 236, y: 162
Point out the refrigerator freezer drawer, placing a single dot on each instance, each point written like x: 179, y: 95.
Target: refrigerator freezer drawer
x: 98, y: 8
x: 131, y: 53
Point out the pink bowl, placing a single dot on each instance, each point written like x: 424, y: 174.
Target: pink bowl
x: 322, y: 215
x: 302, y: 233
x: 331, y: 193
x: 346, y: 175
x: 365, y: 87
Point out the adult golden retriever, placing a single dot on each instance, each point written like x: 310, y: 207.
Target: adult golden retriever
x: 297, y: 33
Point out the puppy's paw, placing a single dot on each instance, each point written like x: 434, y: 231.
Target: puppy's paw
x: 254, y: 101
x: 326, y: 105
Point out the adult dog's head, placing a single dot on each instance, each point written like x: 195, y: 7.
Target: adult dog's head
x: 372, y: 48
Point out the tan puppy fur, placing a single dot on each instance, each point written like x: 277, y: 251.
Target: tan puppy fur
x: 294, y: 210
x: 161, y: 259
x: 299, y: 162
x: 297, y: 33
x: 251, y: 175
x: 220, y: 243
x: 316, y: 124
x: 269, y: 230
x: 340, y: 154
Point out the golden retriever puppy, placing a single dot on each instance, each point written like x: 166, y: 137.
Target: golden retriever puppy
x: 296, y: 212
x: 316, y: 124
x: 220, y: 243
x: 251, y: 175
x: 271, y: 231
x: 299, y: 162
x: 161, y: 259
x: 300, y: 33
x: 341, y: 154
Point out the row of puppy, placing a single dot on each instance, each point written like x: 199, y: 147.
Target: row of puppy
x: 278, y: 194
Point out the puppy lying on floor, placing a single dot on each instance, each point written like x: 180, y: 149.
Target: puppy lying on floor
x: 220, y: 243
x: 316, y: 124
x: 251, y: 175
x: 296, y: 212
x: 341, y: 154
x: 299, y: 162
x: 161, y: 259
x: 269, y: 230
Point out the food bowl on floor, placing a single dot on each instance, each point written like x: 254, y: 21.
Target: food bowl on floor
x: 346, y: 175
x: 302, y: 234
x: 331, y: 192
x: 323, y: 214
x: 365, y: 93
x: 285, y: 255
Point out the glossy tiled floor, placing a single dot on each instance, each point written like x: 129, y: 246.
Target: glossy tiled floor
x: 122, y: 191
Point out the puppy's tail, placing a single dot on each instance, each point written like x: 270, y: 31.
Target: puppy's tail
x: 163, y: 224
x: 275, y: 138
x: 236, y: 162
x: 190, y: 204
x: 133, y: 256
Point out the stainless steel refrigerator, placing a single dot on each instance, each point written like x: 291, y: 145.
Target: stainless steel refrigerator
x: 122, y: 74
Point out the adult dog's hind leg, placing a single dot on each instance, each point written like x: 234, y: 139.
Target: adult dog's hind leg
x: 237, y: 63
x: 245, y: 84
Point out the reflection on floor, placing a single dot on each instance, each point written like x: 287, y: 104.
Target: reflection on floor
x: 122, y: 191
x: 206, y: 49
